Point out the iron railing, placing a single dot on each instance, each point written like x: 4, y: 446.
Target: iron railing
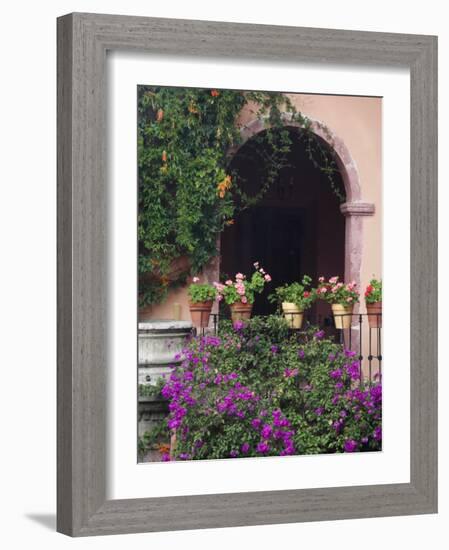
x: 364, y: 337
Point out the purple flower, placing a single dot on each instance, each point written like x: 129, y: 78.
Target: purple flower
x: 349, y: 353
x: 353, y: 370
x: 319, y: 411
x: 318, y: 335
x: 239, y: 325
x: 301, y: 353
x: 245, y: 447
x: 256, y: 423
x: 233, y: 453
x: 336, y: 374
x: 174, y: 423
x: 343, y: 414
x: 337, y: 425
x: 262, y: 447
x: 165, y: 457
x: 274, y: 349
x: 339, y: 385
x: 184, y: 456
x: 331, y: 357
x: 288, y: 373
x: 266, y: 431
x: 378, y: 433
x: 376, y: 393
x: 350, y: 446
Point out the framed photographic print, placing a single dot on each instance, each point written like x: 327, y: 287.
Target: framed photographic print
x: 246, y: 274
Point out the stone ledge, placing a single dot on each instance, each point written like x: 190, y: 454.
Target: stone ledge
x: 159, y: 326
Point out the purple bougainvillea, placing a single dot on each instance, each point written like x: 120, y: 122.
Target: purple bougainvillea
x: 256, y: 390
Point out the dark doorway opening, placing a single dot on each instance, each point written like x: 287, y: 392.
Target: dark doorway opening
x: 295, y: 229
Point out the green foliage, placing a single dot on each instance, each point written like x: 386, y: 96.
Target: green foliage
x: 152, y: 439
x: 300, y: 294
x: 373, y: 292
x: 151, y: 390
x: 256, y: 390
x: 188, y: 190
x: 201, y: 292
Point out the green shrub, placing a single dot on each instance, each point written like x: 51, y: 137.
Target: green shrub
x: 256, y: 390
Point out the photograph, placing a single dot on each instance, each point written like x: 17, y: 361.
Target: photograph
x: 259, y: 238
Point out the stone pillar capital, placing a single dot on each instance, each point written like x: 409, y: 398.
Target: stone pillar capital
x: 357, y: 208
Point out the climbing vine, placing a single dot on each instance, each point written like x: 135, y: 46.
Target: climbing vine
x: 188, y: 189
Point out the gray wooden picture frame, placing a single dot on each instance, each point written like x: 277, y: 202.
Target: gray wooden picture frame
x: 83, y: 40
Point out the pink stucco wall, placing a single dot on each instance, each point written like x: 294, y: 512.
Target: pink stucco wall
x: 357, y: 122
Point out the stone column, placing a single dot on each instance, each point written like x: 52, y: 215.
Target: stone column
x: 158, y: 344
x: 354, y: 212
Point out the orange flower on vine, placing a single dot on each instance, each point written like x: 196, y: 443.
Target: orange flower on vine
x: 160, y: 115
x: 224, y: 186
x: 214, y: 93
x: 192, y: 108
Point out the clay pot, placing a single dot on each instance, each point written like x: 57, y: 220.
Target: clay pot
x: 200, y: 313
x: 240, y: 311
x: 374, y: 311
x: 293, y: 314
x: 342, y: 315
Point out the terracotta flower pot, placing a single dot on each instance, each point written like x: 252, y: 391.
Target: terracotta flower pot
x: 342, y: 315
x: 374, y: 311
x: 240, y: 311
x: 293, y: 314
x: 200, y: 313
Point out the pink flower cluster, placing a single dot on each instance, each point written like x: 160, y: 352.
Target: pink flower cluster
x: 242, y: 289
x: 333, y: 287
x: 261, y: 270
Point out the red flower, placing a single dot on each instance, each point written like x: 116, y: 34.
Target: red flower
x: 214, y: 93
x: 306, y: 294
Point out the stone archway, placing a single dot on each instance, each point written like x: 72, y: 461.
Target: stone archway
x: 354, y: 209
